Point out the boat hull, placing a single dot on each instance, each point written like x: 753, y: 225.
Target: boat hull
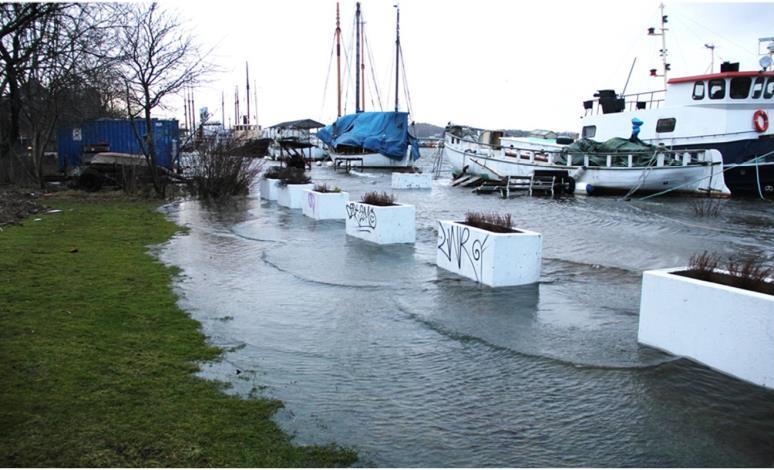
x: 374, y: 160
x: 494, y: 164
x: 742, y: 177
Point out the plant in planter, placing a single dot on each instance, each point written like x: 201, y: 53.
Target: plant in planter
x: 723, y: 318
x: 324, y: 202
x: 486, y: 248
x: 292, y: 185
x: 378, y: 218
x: 270, y: 181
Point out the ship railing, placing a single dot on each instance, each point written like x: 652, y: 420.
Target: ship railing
x: 631, y: 102
x: 657, y: 157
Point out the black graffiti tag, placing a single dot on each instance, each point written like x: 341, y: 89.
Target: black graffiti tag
x: 454, y: 245
x: 364, y: 215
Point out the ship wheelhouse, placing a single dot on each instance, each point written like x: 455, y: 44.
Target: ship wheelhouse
x: 695, y: 110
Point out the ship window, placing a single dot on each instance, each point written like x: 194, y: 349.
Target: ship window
x: 769, y: 91
x: 757, y: 88
x: 740, y: 87
x: 717, y: 89
x: 589, y: 132
x: 698, y: 90
x: 666, y: 125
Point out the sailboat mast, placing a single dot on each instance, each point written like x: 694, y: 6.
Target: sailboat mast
x: 397, y: 54
x: 247, y: 80
x: 362, y: 64
x: 357, y: 58
x: 223, y: 109
x: 338, y: 60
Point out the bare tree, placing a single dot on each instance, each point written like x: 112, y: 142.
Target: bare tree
x: 160, y: 58
x: 56, y: 87
x: 53, y: 55
x: 22, y: 27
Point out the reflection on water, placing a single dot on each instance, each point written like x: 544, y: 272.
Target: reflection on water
x: 375, y: 348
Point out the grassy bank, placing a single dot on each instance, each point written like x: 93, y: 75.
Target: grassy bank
x: 97, y: 361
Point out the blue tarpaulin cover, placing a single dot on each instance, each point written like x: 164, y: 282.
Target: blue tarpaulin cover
x: 381, y: 132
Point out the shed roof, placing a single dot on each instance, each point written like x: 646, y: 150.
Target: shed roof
x: 299, y: 124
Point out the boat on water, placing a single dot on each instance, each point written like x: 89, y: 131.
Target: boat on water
x: 375, y: 139
x: 692, y: 120
x: 617, y: 165
x: 728, y: 111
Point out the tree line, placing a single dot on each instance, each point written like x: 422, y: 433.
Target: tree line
x: 64, y: 63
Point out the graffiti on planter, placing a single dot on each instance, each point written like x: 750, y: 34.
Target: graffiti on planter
x: 456, y: 245
x: 363, y: 215
x: 311, y: 200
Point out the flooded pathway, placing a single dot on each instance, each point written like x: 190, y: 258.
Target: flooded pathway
x: 376, y: 349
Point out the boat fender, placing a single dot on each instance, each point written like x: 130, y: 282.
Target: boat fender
x: 760, y: 121
x: 582, y: 188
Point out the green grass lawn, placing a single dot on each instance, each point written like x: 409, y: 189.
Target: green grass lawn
x: 97, y: 361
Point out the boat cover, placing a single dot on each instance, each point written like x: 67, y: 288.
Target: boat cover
x: 598, y: 151
x: 381, y: 132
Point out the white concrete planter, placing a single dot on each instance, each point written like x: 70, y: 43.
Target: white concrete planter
x: 381, y: 224
x: 325, y: 205
x: 412, y: 180
x: 292, y: 195
x: 494, y: 259
x: 269, y: 188
x: 726, y: 328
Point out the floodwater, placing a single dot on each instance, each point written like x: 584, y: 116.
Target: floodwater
x: 376, y: 349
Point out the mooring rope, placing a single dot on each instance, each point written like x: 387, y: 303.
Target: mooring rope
x: 754, y: 159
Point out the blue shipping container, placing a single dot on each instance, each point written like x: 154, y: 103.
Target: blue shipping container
x: 119, y: 136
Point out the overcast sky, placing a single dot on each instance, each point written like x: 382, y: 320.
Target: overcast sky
x: 486, y: 63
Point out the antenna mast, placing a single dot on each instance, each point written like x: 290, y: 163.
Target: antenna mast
x: 397, y: 53
x: 223, y: 109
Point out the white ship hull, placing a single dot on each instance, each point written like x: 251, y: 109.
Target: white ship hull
x: 700, y: 171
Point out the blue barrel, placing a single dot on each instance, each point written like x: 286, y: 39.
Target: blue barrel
x: 118, y: 136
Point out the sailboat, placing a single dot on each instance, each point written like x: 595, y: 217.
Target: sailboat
x: 376, y: 139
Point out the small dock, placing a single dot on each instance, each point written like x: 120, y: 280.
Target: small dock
x: 553, y: 182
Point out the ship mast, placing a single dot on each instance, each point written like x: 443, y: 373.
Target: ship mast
x: 338, y: 60
x: 663, y: 51
x: 397, y: 53
x: 357, y: 58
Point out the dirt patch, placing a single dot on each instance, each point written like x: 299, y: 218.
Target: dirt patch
x: 16, y: 205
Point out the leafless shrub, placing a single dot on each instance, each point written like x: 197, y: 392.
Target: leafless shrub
x: 324, y: 188
x: 492, y: 221
x: 291, y: 175
x: 218, y: 175
x: 704, y: 263
x: 273, y: 173
x: 378, y: 199
x: 706, y: 208
x: 749, y: 271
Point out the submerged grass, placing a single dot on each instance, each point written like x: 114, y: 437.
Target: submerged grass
x: 97, y: 361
